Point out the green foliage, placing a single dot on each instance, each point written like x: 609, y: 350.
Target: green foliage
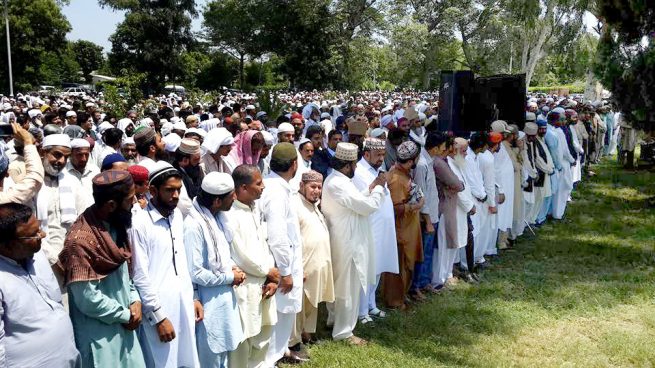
x: 151, y: 39
x: 270, y: 103
x: 625, y: 63
x: 38, y: 34
x: 577, y: 87
x: 123, y: 94
x: 88, y: 56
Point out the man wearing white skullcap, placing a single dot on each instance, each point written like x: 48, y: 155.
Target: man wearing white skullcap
x: 212, y: 269
x: 217, y: 146
x: 71, y: 118
x: 264, y: 163
x: 169, y: 309
x: 84, y: 170
x: 57, y: 201
x: 128, y: 150
x: 347, y: 210
x: 285, y: 133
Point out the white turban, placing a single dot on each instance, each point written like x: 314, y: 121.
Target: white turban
x: 216, y: 138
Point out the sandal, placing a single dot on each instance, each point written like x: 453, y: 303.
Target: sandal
x: 377, y: 313
x: 365, y: 319
x: 356, y: 341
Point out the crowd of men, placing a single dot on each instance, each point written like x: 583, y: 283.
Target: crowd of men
x: 208, y: 236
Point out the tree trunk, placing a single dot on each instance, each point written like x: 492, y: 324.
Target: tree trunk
x: 241, y: 67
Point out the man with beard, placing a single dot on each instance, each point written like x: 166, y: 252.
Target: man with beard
x: 250, y: 252
x: 317, y: 261
x: 149, y: 146
x: 126, y: 125
x: 568, y: 156
x: 217, y: 145
x: 385, y: 249
x: 79, y: 167
x: 207, y: 244
x: 456, y: 214
x: 161, y: 275
x: 285, y: 133
x: 321, y: 158
x: 347, y: 211
x: 483, y: 146
x: 187, y: 162
x: 505, y: 182
x: 549, y: 137
x: 128, y: 150
x: 408, y: 199
x: 298, y: 127
x: 105, y: 308
x: 57, y: 200
x: 284, y: 243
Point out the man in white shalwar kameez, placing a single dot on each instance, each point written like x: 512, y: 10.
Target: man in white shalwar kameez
x: 284, y: 242
x: 161, y: 275
x: 565, y: 176
x: 473, y: 178
x: 347, y: 211
x: 207, y: 241
x: 383, y: 227
x: 484, y: 238
x: 505, y: 182
x: 251, y: 254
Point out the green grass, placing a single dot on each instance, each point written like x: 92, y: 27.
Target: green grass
x: 579, y: 294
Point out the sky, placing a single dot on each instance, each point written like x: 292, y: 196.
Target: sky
x: 92, y: 23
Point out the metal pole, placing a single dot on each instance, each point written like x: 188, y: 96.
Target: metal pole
x: 11, y: 77
x: 511, y: 56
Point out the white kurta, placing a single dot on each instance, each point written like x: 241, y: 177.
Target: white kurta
x: 162, y: 279
x: 474, y: 182
x: 485, y: 241
x: 382, y: 222
x: 565, y: 176
x: 505, y: 181
x: 347, y: 211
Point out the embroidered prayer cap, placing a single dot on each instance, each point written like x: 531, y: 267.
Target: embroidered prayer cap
x: 312, y: 176
x: 143, y: 135
x: 217, y: 183
x: 158, y: 169
x: 530, y: 128
x: 285, y: 128
x: 495, y: 137
x: 407, y: 150
x: 109, y: 160
x: 530, y: 116
x: 139, y: 173
x: 284, y: 151
x: 111, y: 178
x: 80, y: 143
x: 357, y: 126
x: 191, y: 119
x: 216, y: 138
x: 56, y: 140
x: 373, y: 144
x: 346, y: 152
x: 499, y: 126
x: 189, y: 146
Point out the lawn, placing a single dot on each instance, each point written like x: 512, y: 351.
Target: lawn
x: 581, y: 293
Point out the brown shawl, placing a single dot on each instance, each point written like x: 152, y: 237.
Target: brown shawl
x: 89, y: 251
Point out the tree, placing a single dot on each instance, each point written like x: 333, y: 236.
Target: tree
x: 234, y: 26
x: 88, y: 56
x: 151, y: 39
x: 625, y: 60
x: 37, y: 31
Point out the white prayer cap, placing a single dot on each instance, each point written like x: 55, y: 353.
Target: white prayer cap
x: 217, y: 183
x: 157, y: 169
x: 269, y: 140
x: 90, y: 104
x: 250, y: 107
x: 377, y: 132
x: 285, y: 128
x: 197, y: 131
x: 166, y: 129
x: 71, y: 114
x: 532, y: 104
x: 175, y: 119
x: 172, y: 142
x: 216, y: 138
x: 104, y: 126
x: 499, y: 126
x: 6, y: 106
x: 325, y: 115
x: 179, y: 125
x: 80, y: 143
x: 56, y: 140
x: 128, y: 140
x: 385, y: 120
x: 34, y: 112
